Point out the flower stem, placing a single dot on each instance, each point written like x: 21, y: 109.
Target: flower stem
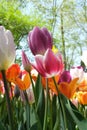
x: 46, y: 107
x: 32, y: 87
x: 51, y: 122
x: 61, y: 104
x: 63, y: 112
x: 27, y: 111
x: 10, y: 116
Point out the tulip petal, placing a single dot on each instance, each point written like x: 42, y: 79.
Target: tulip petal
x: 68, y: 89
x: 13, y: 72
x: 3, y: 39
x: 39, y: 65
x: 52, y: 65
x: 48, y: 36
x: 11, y: 46
x: 39, y: 40
x: 24, y: 83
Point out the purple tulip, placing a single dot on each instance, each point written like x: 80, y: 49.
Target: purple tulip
x: 65, y: 77
x: 39, y: 40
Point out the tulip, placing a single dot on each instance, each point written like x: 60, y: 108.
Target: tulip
x: 7, y: 48
x: 26, y: 63
x: 84, y: 57
x: 49, y: 64
x: 65, y: 77
x: 39, y: 40
x: 77, y: 72
x: 18, y: 77
x: 82, y: 97
x: 68, y: 89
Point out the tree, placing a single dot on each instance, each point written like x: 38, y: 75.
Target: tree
x: 19, y: 23
x: 67, y: 21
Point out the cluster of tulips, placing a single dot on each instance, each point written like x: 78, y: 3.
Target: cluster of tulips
x: 52, y: 98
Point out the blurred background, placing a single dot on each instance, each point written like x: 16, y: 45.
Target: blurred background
x: 66, y: 20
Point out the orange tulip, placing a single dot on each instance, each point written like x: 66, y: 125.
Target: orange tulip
x: 83, y: 85
x: 51, y: 84
x: 82, y: 97
x: 68, y: 89
x: 13, y: 74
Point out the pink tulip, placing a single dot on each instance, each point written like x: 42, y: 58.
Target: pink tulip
x: 39, y: 40
x: 49, y: 64
x: 26, y: 63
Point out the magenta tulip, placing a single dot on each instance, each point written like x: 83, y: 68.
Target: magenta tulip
x: 39, y: 40
x: 49, y: 64
x: 65, y: 77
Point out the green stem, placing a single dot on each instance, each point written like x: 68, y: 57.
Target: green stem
x: 32, y: 87
x: 27, y: 111
x: 51, y: 122
x: 10, y: 116
x: 63, y: 112
x: 61, y: 104
x: 46, y: 107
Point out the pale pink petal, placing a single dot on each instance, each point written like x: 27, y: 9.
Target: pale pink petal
x: 3, y: 39
x: 11, y: 46
x: 26, y: 63
x: 38, y: 65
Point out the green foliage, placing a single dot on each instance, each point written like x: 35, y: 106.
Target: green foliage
x: 13, y: 19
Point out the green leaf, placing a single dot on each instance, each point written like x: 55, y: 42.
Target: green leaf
x: 34, y: 120
x: 38, y: 87
x: 74, y: 114
x: 2, y: 126
x: 40, y: 99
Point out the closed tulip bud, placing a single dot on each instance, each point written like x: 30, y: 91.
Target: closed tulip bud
x: 65, y: 77
x: 39, y: 40
x: 7, y: 48
x: 25, y: 62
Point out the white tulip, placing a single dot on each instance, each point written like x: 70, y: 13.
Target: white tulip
x: 84, y: 57
x: 7, y: 48
x: 77, y: 72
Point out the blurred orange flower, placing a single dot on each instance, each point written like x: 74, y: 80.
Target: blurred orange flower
x: 51, y: 84
x: 82, y: 97
x: 68, y: 89
x: 18, y: 77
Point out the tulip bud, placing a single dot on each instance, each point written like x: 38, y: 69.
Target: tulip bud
x: 25, y: 62
x: 39, y: 40
x: 65, y: 77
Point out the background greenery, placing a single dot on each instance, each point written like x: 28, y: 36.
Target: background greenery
x: 67, y: 21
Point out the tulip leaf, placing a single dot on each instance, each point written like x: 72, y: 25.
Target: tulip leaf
x: 40, y: 99
x: 34, y: 120
x: 74, y: 114
x: 2, y: 126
